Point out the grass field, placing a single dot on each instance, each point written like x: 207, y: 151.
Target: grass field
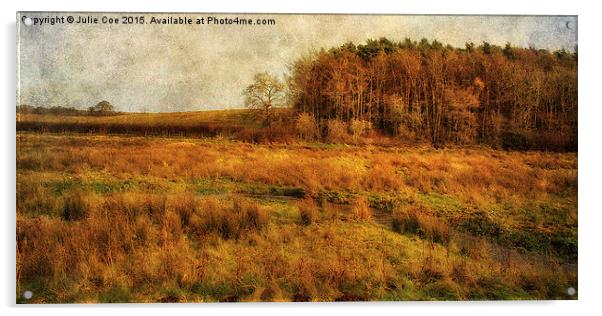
x: 224, y: 117
x: 233, y: 124
x: 126, y: 218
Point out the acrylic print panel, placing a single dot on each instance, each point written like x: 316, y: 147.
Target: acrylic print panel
x: 281, y: 157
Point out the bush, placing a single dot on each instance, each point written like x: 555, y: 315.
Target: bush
x: 403, y: 132
x: 359, y: 128
x: 337, y: 131
x: 306, y: 126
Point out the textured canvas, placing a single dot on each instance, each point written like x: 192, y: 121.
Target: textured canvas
x: 199, y: 157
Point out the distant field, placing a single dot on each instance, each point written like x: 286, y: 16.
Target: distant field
x: 236, y: 124
x: 234, y: 117
x: 134, y: 219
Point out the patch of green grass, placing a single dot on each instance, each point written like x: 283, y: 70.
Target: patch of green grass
x: 211, y: 186
x: 224, y: 186
x: 271, y: 190
x: 281, y: 212
x: 100, y: 186
x: 115, y: 294
x: 335, y: 197
x: 481, y: 224
x: 565, y: 243
x: 443, y: 290
x: 526, y: 240
x: 384, y: 203
x: 441, y: 203
x: 172, y: 294
x: 215, y: 291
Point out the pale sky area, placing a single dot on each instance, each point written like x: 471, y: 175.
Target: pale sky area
x: 166, y: 68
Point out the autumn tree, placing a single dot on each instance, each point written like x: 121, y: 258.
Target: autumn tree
x: 508, y: 97
x: 263, y: 95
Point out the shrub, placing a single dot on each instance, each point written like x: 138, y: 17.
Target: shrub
x: 359, y: 128
x: 403, y: 132
x: 306, y: 126
x: 308, y: 211
x: 337, y: 131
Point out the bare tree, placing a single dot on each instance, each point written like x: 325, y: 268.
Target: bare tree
x: 265, y: 93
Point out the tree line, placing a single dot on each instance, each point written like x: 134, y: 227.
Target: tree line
x: 101, y: 108
x: 509, y: 97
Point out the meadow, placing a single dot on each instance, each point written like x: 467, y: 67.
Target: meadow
x: 122, y: 217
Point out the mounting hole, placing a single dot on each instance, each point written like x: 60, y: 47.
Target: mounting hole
x: 27, y: 295
x: 28, y: 21
x: 571, y: 291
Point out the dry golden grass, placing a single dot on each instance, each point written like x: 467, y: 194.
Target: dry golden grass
x: 308, y: 212
x: 418, y: 221
x: 118, y: 219
x: 361, y: 209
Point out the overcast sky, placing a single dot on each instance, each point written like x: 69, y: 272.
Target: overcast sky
x: 164, y: 68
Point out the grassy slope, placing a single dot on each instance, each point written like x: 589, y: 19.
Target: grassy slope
x: 510, y: 220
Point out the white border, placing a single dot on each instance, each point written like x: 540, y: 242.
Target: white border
x: 589, y: 152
